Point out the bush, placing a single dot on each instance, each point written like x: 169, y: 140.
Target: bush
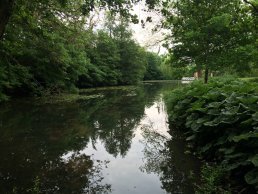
x: 211, y: 180
x: 220, y: 120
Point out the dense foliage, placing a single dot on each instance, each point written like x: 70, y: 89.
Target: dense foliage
x: 215, y: 36
x: 171, y: 71
x: 153, y: 71
x: 50, y: 48
x: 220, y: 122
x: 84, y: 7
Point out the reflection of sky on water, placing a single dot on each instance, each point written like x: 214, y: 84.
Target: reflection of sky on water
x: 156, y: 118
x: 121, y: 138
x: 124, y: 173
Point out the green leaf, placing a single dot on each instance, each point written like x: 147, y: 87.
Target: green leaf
x: 195, y: 126
x: 232, y: 110
x: 244, y: 136
x: 202, y: 120
x: 214, y: 104
x: 206, y: 147
x: 254, y: 160
x: 213, y: 112
x: 250, y: 99
x: 190, y: 137
x: 255, y: 116
x: 252, y: 177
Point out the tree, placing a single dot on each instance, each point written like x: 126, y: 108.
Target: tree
x: 202, y: 31
x: 153, y: 67
x: 10, y: 7
x: 40, y: 51
x: 132, y: 62
x: 104, y: 61
x: 132, y: 57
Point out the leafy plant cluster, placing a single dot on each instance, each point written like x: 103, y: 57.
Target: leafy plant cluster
x: 220, y: 120
x: 212, y: 177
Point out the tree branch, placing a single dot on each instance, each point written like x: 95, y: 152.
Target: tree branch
x: 254, y: 7
x: 6, y: 7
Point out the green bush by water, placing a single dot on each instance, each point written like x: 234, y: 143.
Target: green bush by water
x: 212, y: 178
x: 220, y: 120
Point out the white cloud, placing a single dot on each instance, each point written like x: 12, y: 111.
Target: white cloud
x: 152, y: 41
x: 146, y: 36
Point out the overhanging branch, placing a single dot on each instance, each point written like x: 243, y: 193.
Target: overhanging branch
x: 250, y: 3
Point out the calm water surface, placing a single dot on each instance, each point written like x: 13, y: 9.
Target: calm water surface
x: 116, y: 141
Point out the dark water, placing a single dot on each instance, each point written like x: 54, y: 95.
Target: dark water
x: 115, y: 142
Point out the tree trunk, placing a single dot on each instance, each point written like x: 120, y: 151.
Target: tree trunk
x: 206, y: 75
x: 6, y: 7
x: 199, y: 73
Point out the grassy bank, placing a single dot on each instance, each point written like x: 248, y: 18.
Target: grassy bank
x: 220, y: 122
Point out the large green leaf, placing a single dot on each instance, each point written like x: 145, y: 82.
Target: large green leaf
x: 255, y: 116
x: 232, y: 98
x: 254, y: 160
x: 205, y: 148
x: 252, y: 177
x: 214, y: 122
x: 215, y: 104
x: 229, y: 111
x: 192, y: 137
x: 196, y: 126
x: 244, y: 136
x: 198, y: 106
x: 248, y: 99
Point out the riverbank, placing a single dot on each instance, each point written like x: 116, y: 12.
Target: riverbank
x: 220, y: 122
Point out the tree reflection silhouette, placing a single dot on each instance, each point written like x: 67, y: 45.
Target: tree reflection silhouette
x: 77, y: 174
x: 165, y: 157
x: 114, y: 119
x: 35, y: 136
x: 32, y: 145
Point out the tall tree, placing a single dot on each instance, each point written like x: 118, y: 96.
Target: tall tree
x: 153, y: 71
x: 202, y: 31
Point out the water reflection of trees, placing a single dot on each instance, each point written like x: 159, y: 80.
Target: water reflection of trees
x: 114, y: 119
x: 77, y: 174
x: 33, y: 140
x: 165, y: 157
x: 37, y: 173
x: 35, y: 136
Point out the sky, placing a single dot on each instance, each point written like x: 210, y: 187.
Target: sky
x: 145, y: 36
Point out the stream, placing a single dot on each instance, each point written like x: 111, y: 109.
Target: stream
x: 113, y: 140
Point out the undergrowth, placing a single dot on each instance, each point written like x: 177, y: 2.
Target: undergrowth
x: 220, y: 121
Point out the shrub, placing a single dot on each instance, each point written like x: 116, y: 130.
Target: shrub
x: 211, y: 180
x: 220, y: 120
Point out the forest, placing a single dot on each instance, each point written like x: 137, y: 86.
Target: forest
x: 55, y: 47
